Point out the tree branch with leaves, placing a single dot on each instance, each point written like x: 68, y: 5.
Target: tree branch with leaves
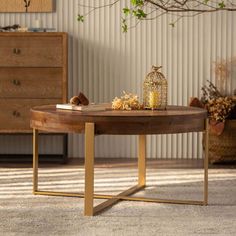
x: 143, y: 9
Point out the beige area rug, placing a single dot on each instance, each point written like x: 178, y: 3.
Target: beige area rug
x: 22, y: 213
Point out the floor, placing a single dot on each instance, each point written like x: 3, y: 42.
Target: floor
x: 127, y: 162
x: 23, y: 213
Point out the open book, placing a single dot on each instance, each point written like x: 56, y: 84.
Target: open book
x: 90, y: 107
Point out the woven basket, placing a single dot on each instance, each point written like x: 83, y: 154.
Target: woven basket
x: 222, y: 148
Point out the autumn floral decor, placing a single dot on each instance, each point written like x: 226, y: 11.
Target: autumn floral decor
x: 219, y: 107
x: 127, y: 102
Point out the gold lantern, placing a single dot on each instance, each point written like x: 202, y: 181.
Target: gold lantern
x: 155, y: 90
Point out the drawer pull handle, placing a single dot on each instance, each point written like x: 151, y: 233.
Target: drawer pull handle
x: 16, y: 82
x: 16, y: 51
x: 16, y: 113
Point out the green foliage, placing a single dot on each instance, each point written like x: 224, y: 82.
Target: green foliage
x: 221, y: 5
x: 136, y: 10
x: 80, y: 18
x: 137, y: 3
x: 124, y: 25
x: 140, y: 14
x: 141, y: 9
x: 126, y: 11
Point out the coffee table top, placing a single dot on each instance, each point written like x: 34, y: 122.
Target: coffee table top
x: 176, y: 119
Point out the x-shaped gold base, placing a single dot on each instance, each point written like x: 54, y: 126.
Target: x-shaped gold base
x: 89, y: 209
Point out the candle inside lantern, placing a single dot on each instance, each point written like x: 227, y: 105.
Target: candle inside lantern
x: 153, y: 99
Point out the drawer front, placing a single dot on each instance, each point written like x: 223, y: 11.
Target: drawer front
x: 31, y: 82
x: 31, y: 51
x: 15, y: 114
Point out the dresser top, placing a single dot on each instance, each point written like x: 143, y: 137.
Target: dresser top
x: 38, y: 34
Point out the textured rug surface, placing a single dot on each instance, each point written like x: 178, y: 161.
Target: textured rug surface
x: 22, y: 213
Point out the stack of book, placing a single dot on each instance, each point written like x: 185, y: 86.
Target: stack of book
x: 90, y: 107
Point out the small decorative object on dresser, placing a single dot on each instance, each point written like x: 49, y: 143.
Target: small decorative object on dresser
x: 9, y: 28
x: 155, y: 90
x: 33, y: 71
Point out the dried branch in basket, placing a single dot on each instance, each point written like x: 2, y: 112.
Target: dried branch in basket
x: 210, y: 92
x: 219, y: 107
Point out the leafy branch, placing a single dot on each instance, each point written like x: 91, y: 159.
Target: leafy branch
x: 143, y: 9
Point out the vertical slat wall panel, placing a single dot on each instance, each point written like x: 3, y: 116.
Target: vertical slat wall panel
x: 103, y: 62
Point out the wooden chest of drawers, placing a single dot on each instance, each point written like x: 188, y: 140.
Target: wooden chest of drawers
x: 33, y: 71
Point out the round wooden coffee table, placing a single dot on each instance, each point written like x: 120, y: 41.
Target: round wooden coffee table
x: 176, y: 119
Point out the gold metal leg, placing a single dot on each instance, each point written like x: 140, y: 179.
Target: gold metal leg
x: 142, y: 160
x: 125, y: 195
x: 114, y: 199
x: 206, y: 163
x: 89, y: 169
x: 89, y: 195
x: 35, y: 160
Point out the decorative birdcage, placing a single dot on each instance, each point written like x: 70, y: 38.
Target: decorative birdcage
x: 155, y: 90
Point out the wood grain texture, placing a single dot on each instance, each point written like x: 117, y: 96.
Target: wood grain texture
x: 31, y: 82
x: 64, y: 67
x: 19, y: 6
x: 174, y: 120
x: 15, y: 113
x: 35, y: 75
x: 30, y: 51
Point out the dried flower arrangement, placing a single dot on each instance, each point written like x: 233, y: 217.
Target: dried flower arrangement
x: 219, y: 107
x: 218, y: 99
x: 222, y: 123
x: 128, y: 102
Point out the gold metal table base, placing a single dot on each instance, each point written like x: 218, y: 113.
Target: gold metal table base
x: 88, y: 195
x: 113, y: 199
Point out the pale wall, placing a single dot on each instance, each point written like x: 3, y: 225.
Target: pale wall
x: 103, y: 62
